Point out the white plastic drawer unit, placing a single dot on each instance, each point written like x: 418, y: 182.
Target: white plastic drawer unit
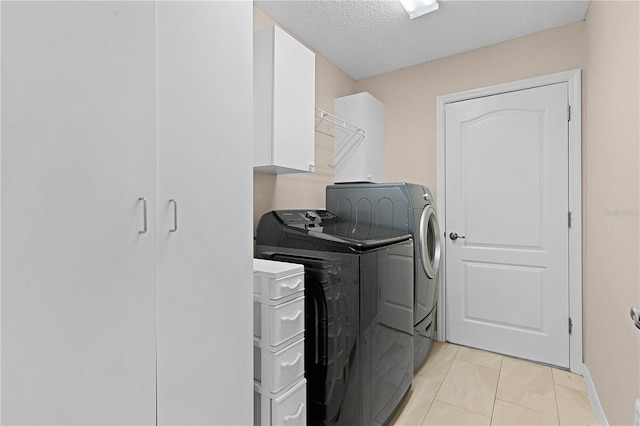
x: 289, y: 409
x: 278, y: 344
x: 278, y: 302
x: 275, y: 370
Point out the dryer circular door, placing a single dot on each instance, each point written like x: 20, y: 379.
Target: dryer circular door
x: 430, y: 241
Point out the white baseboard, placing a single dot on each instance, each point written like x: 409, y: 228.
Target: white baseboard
x: 593, y: 397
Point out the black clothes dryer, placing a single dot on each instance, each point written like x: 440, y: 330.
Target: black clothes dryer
x: 358, y: 312
x: 406, y: 208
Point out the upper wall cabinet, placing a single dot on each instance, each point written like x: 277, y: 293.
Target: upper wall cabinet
x: 283, y: 104
x: 360, y: 159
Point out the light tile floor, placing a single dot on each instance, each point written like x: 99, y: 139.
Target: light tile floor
x: 463, y: 386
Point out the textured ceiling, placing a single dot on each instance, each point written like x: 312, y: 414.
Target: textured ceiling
x: 370, y: 37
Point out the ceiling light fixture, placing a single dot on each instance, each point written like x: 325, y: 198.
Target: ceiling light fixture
x: 417, y: 8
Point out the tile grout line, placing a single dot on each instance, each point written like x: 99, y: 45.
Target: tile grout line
x: 578, y: 391
x: 495, y: 395
x: 431, y: 404
x: 406, y: 404
x: 529, y: 408
x: 553, y: 382
x: 440, y: 385
x: 555, y: 396
x: 475, y: 364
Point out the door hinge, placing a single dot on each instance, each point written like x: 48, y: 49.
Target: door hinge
x: 570, y: 325
x: 568, y: 112
x: 569, y: 219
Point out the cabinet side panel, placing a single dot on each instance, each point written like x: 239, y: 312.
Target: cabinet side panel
x: 78, y: 150
x: 263, y: 97
x: 205, y: 301
x: 349, y: 152
x: 0, y: 213
x: 374, y: 142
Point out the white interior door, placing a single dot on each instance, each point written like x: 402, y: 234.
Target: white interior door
x: 507, y: 285
x: 78, y: 150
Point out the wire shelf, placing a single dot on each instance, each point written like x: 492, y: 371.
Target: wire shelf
x: 346, y: 135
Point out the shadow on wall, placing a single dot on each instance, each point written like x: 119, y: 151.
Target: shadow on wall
x: 264, y: 188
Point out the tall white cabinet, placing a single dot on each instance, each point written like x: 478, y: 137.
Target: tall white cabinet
x: 108, y: 313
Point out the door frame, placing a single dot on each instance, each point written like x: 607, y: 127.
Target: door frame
x: 573, y: 80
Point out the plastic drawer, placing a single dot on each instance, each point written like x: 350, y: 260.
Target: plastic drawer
x: 277, y: 324
x: 286, y: 286
x: 290, y: 409
x: 277, y: 370
x: 276, y: 280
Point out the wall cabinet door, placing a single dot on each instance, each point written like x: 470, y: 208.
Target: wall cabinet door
x: 284, y: 103
x: 205, y: 347
x: 78, y: 306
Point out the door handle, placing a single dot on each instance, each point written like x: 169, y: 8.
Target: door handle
x: 454, y: 236
x: 175, y: 215
x: 635, y: 316
x: 144, y: 215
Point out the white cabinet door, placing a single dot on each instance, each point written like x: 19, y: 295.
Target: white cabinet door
x: 205, y: 364
x: 78, y: 281
x: 293, y: 103
x: 284, y: 103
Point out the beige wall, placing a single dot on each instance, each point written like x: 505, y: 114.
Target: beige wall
x: 409, y: 95
x: 302, y: 190
x: 611, y: 191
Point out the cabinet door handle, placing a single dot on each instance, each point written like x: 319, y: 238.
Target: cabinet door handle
x: 294, y: 317
x: 292, y: 363
x: 294, y: 416
x: 292, y: 286
x: 175, y: 215
x: 144, y: 215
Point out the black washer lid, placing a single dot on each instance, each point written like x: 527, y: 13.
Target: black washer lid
x: 326, y: 226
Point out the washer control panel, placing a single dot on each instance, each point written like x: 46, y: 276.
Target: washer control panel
x: 306, y: 219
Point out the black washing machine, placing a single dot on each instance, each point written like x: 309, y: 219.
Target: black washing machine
x: 358, y: 312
